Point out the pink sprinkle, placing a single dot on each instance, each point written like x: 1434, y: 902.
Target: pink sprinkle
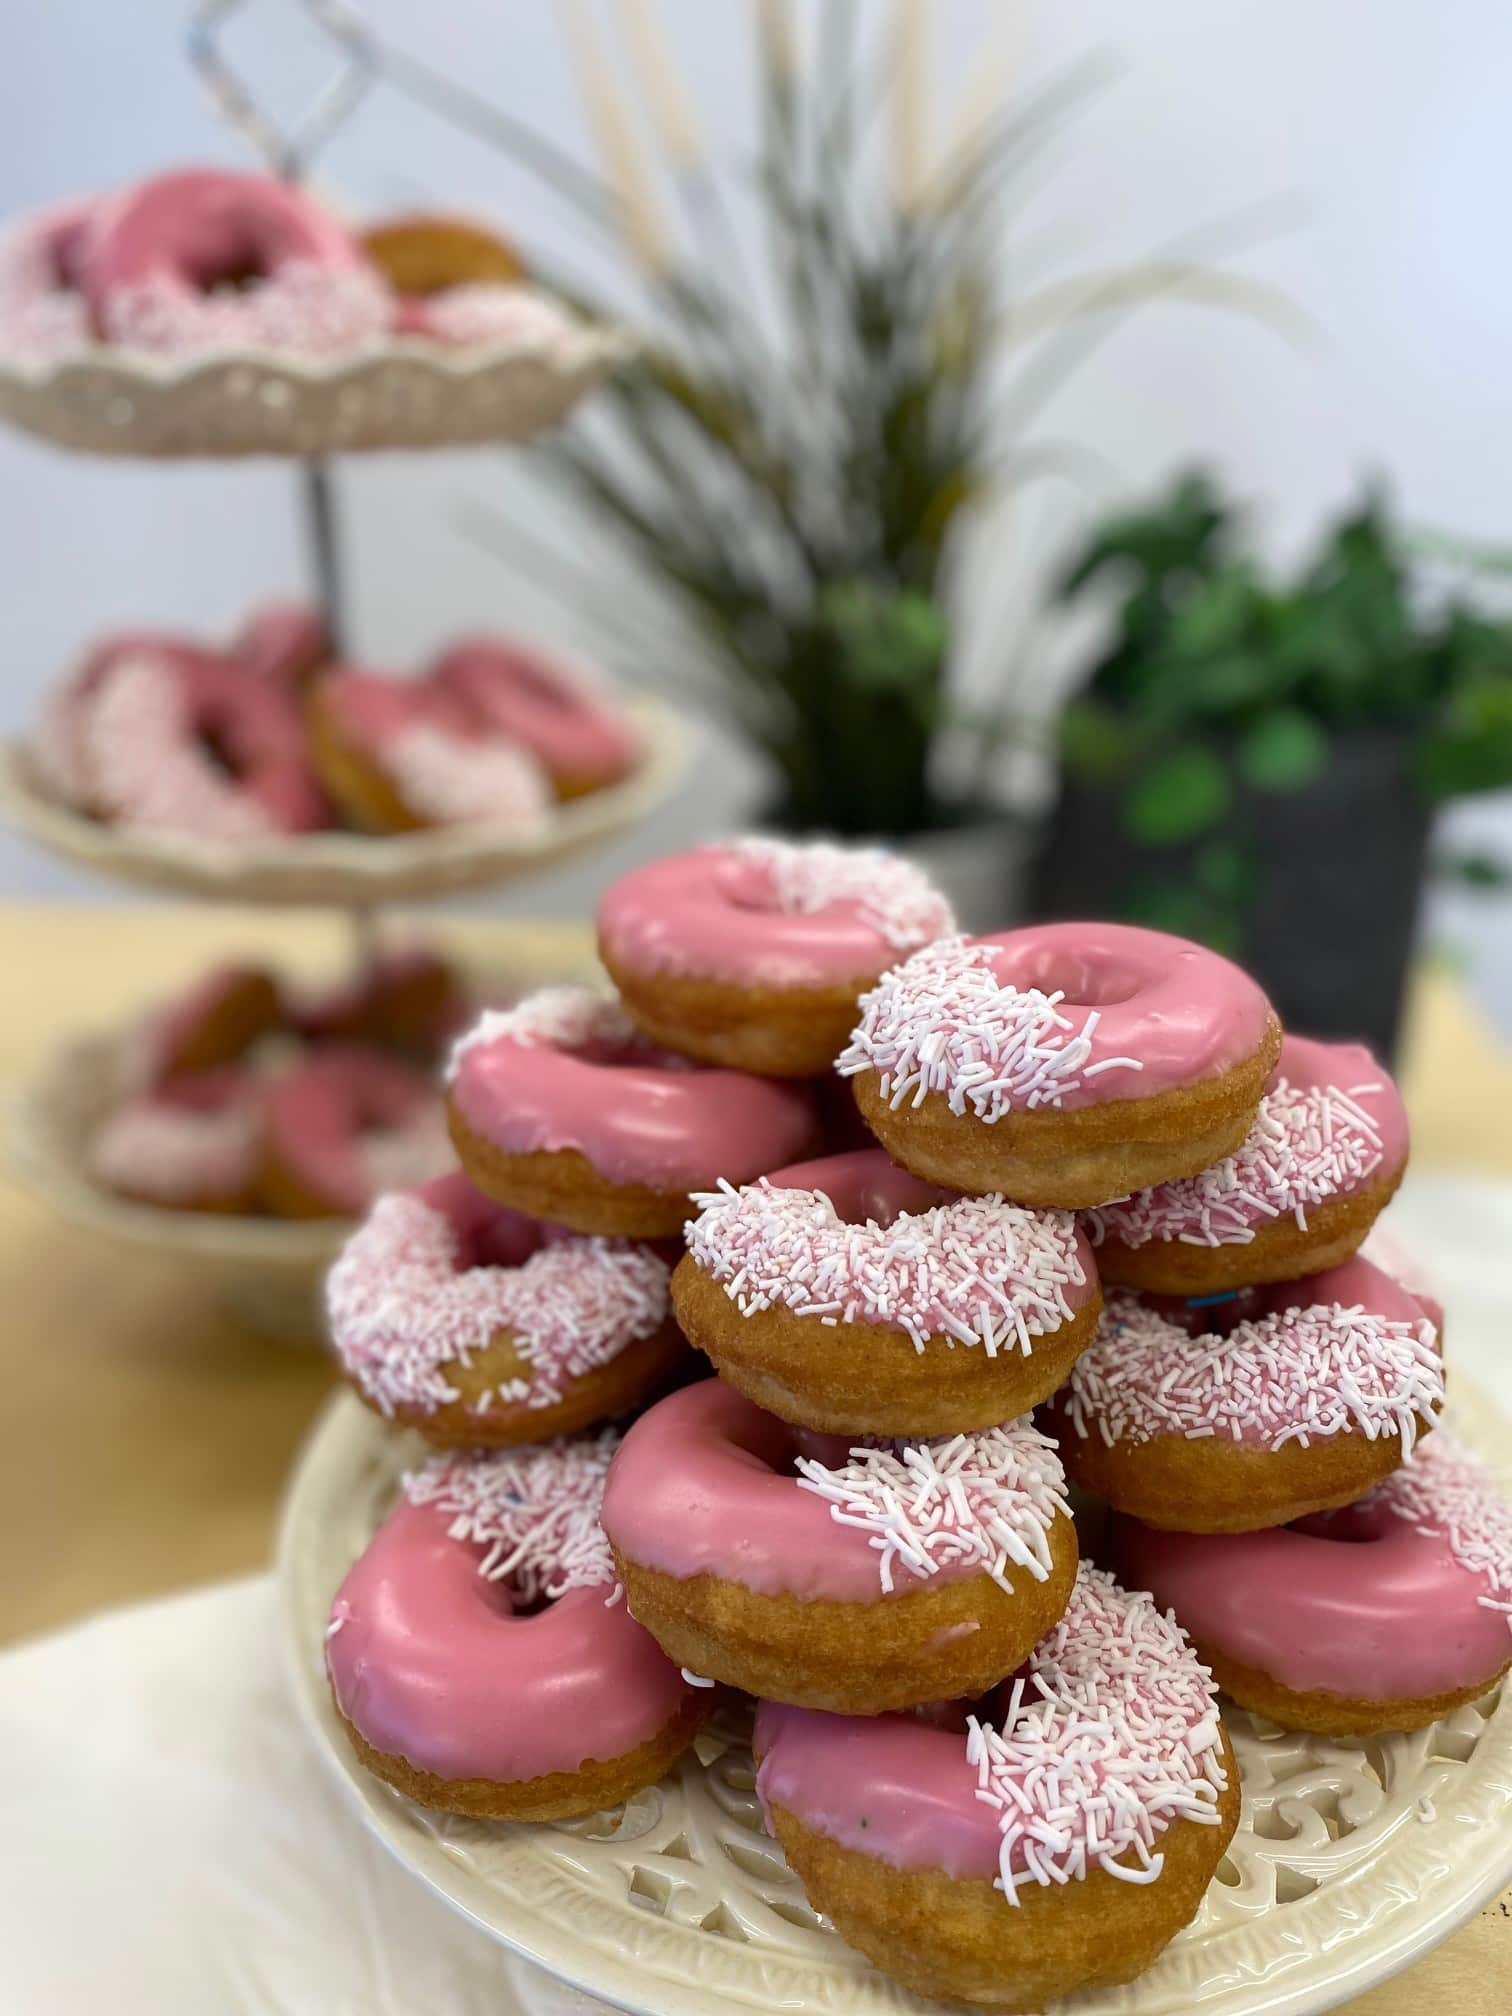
x: 943, y: 1022
x: 305, y: 309
x: 1300, y: 1375
x: 1444, y: 1490
x: 459, y: 781
x: 557, y: 1018
x: 975, y: 1271
x: 894, y: 897
x: 989, y: 1498
x: 1305, y: 1147
x: 401, y: 1312
x: 1110, y: 1734
x: 175, y: 1154
x: 535, y: 1512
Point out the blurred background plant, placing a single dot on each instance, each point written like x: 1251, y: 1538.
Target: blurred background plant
x: 819, y: 406
x: 1233, y: 720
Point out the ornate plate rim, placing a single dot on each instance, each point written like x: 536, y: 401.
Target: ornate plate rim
x: 346, y: 1436
x: 349, y: 868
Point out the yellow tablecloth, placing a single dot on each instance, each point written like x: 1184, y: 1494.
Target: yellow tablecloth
x: 146, y: 1436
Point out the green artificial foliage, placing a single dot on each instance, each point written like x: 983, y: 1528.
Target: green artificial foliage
x: 1217, y: 675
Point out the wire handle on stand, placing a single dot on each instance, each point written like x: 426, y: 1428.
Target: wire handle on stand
x: 289, y: 153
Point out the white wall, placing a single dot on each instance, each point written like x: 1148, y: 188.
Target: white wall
x: 1379, y: 129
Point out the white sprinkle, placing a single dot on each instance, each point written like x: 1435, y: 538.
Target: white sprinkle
x: 894, y: 896
x: 697, y: 1679
x: 557, y: 1018
x: 1446, y: 1491
x: 535, y: 1512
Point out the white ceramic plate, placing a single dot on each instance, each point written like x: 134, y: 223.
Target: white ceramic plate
x: 1351, y: 1857
x: 403, y: 394
x: 354, y: 869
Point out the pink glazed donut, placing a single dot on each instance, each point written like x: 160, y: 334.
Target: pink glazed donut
x: 560, y: 1109
x: 847, y: 1296
x: 1054, y: 1841
x: 1316, y: 1392
x: 856, y: 1579
x: 1064, y: 1064
x: 204, y: 260
x: 285, y: 643
x: 400, y: 755
x: 480, y: 1653
x: 214, y: 1021
x: 754, y: 952
x: 155, y: 733
x: 546, y: 704
x: 1323, y: 1158
x: 1385, y: 1615
x: 344, y: 1125
x: 480, y: 1327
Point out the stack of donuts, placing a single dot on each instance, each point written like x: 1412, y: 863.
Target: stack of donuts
x: 202, y: 262
x: 268, y: 737
x: 246, y: 1095
x: 995, y: 1763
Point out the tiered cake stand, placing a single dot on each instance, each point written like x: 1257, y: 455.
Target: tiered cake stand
x: 399, y: 396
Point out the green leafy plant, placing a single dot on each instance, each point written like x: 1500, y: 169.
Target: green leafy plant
x: 1219, y: 680
x: 831, y: 380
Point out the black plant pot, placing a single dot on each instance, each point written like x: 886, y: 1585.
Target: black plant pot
x: 1322, y: 884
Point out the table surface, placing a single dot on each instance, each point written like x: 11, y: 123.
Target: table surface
x: 147, y: 1434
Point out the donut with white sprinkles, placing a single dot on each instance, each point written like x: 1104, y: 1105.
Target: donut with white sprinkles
x: 846, y: 1295
x: 1297, y: 1408
x: 855, y: 1578
x: 1061, y: 1064
x: 1056, y: 1841
x: 1323, y: 1158
x: 480, y: 1327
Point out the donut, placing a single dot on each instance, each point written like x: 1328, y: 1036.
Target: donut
x: 203, y: 260
x: 409, y: 999
x: 285, y: 643
x: 423, y: 254
x: 1323, y: 1158
x: 1063, y: 1064
x: 480, y: 1327
x: 847, y: 1296
x: 43, y: 313
x: 753, y: 952
x: 215, y: 1021
x: 1057, y: 1842
x: 342, y: 1126
x: 559, y: 1108
x: 161, y: 734
x: 1292, y: 1411
x: 399, y: 755
x: 479, y: 1654
x: 547, y: 705
x: 192, y: 1144
x: 1386, y: 1614
x: 484, y: 316
x: 850, y: 1579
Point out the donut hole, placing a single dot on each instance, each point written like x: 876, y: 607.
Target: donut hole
x: 1210, y: 1315
x: 1104, y: 985
x: 233, y: 268
x: 217, y: 745
x: 1355, y: 1525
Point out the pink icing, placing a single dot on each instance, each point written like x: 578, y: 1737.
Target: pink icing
x: 423, y: 1284
x: 195, y: 1140
x: 1347, y: 1351
x: 1330, y: 1121
x: 203, y: 260
x: 707, y: 1483
x: 429, y: 1659
x: 1060, y: 1015
x: 1108, y: 1734
x: 284, y: 643
x: 771, y: 913
x: 543, y: 702
x: 851, y: 1238
x: 564, y: 1069
x: 1407, y: 1593
x: 350, y: 1122
x: 445, y: 763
